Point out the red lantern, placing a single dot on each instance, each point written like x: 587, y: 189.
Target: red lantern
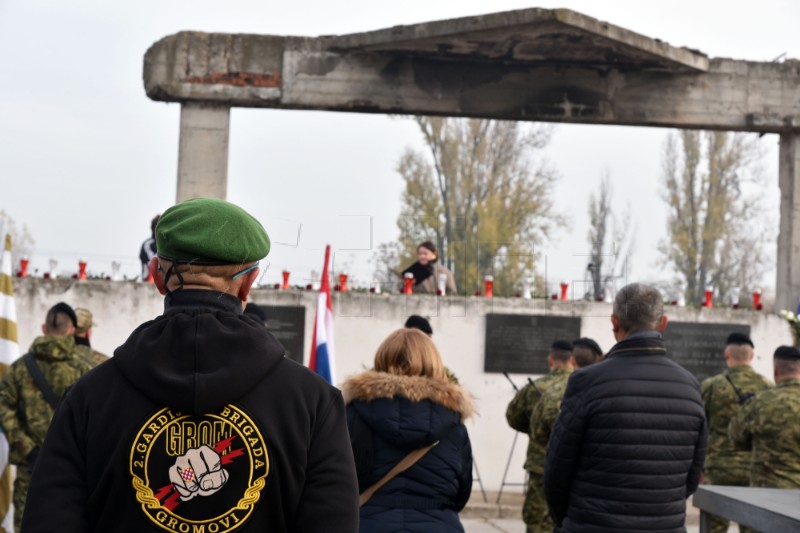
x: 408, y: 283
x: 564, y: 288
x: 285, y: 274
x: 23, y: 268
x: 757, y: 305
x: 343, y: 282
x: 82, y: 269
x: 708, y: 298
x: 488, y: 283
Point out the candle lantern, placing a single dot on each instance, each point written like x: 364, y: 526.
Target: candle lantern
x: 285, y: 275
x: 23, y: 268
x: 82, y: 269
x: 757, y: 305
x: 488, y: 283
x: 408, y: 283
x: 564, y: 288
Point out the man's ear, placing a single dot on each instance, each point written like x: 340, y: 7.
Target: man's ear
x: 44, y: 329
x: 157, y: 275
x: 727, y: 354
x: 247, y: 283
x: 662, y: 324
x: 614, y: 323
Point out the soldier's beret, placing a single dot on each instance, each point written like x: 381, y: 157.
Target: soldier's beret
x: 787, y: 353
x: 562, y: 346
x: 66, y: 309
x: 212, y: 232
x: 739, y: 338
x: 586, y: 342
x: 420, y: 323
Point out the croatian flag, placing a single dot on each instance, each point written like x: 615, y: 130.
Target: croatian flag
x: 322, y: 359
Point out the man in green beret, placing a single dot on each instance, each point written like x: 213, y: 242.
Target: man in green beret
x: 769, y: 426
x: 199, y: 422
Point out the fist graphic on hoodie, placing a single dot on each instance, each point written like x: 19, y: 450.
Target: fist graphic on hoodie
x: 198, y: 472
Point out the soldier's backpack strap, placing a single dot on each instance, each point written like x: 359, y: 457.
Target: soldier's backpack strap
x: 40, y: 380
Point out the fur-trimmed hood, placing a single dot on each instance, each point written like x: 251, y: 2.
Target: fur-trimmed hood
x: 372, y: 385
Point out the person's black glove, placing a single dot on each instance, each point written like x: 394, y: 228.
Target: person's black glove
x: 31, y: 459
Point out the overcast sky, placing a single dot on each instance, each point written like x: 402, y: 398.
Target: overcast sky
x: 86, y: 159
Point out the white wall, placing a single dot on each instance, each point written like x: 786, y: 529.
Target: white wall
x: 362, y: 321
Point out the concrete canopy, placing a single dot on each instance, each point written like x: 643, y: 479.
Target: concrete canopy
x: 533, y: 64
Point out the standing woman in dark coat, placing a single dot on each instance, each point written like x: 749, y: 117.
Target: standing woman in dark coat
x: 407, y: 403
x: 427, y: 271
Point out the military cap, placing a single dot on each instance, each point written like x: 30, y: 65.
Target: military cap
x: 85, y: 320
x: 561, y: 346
x: 208, y: 231
x: 65, y: 309
x: 787, y: 353
x: 739, y: 338
x: 420, y: 323
x: 586, y: 342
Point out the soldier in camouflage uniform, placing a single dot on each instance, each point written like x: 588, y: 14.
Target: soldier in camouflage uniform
x: 723, y: 395
x: 25, y: 415
x: 585, y: 352
x: 769, y: 425
x: 83, y: 335
x: 518, y: 415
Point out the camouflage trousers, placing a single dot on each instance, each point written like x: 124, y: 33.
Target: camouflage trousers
x: 21, y: 484
x: 534, y: 511
x: 735, y: 477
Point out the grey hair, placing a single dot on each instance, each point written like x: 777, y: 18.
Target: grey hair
x: 639, y: 307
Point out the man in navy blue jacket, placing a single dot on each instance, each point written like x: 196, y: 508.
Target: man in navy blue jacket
x: 629, y: 444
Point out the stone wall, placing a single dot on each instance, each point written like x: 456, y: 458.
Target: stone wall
x: 362, y: 321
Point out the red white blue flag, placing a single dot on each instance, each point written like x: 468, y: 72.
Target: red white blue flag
x: 322, y: 360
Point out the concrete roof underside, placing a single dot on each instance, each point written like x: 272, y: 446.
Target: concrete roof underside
x: 533, y: 64
x: 544, y: 36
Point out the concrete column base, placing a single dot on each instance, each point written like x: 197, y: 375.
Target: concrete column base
x: 203, y: 152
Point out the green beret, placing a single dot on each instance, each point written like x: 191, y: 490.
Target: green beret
x: 210, y: 231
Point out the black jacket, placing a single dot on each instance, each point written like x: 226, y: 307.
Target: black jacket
x: 198, y: 423
x: 629, y: 444
x: 390, y: 416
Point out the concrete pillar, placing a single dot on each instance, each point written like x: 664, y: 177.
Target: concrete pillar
x: 788, y: 282
x: 203, y: 152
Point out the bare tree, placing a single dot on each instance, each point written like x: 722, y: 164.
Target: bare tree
x: 714, y: 234
x: 21, y: 240
x: 611, y: 237
x: 480, y: 196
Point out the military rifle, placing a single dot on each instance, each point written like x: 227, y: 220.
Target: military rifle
x: 512, y: 383
x: 742, y: 397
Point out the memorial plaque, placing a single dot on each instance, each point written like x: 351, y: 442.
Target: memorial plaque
x: 520, y: 343
x: 699, y: 347
x: 288, y: 325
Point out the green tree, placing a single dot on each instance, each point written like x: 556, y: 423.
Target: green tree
x: 715, y: 227
x: 481, y: 195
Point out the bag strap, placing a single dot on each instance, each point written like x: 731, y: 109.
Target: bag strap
x: 41, y: 381
x: 406, y: 463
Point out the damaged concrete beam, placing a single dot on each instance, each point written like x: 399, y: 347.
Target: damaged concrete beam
x: 305, y: 73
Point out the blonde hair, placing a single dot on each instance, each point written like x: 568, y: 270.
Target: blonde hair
x: 410, y: 352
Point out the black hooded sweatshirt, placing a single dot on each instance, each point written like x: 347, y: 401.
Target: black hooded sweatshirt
x: 198, y: 424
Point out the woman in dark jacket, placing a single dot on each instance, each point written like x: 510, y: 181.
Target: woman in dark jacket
x: 427, y: 272
x: 404, y: 404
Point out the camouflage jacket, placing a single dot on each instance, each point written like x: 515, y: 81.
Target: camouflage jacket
x: 543, y: 419
x: 24, y: 413
x: 90, y: 355
x: 722, y: 403
x: 770, y: 426
x: 519, y: 411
